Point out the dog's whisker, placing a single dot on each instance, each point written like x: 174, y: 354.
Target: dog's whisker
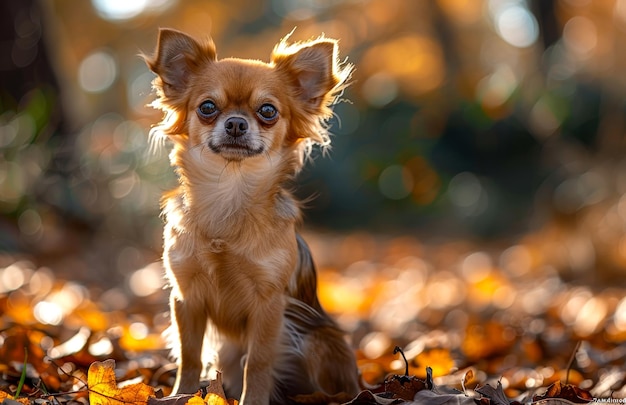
x: 266, y: 151
x: 222, y: 171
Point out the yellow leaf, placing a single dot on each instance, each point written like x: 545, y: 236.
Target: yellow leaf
x: 214, y: 399
x: 92, y: 316
x: 130, y: 341
x: 215, y: 393
x: 4, y: 395
x: 103, y: 388
x: 439, y: 360
x: 195, y: 401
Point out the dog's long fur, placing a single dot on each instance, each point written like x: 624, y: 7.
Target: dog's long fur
x: 239, y: 272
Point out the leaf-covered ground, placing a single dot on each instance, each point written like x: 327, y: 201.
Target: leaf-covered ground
x: 517, y: 322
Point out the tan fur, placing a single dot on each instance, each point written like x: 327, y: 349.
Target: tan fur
x: 241, y: 278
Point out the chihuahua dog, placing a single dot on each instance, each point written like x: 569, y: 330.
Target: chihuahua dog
x: 243, y: 281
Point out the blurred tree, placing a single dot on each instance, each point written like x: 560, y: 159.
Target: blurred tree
x: 31, y: 116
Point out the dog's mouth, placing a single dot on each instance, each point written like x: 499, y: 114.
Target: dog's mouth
x: 235, y: 148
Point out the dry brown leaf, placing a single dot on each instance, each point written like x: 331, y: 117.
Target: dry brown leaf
x: 173, y: 400
x: 368, y: 398
x: 215, y: 393
x: 103, y: 389
x: 553, y: 401
x: 467, y: 378
x: 428, y: 397
x: 16, y: 339
x: 568, y: 392
x: 496, y: 395
x: 485, y: 339
x: 216, y: 386
x: 404, y: 387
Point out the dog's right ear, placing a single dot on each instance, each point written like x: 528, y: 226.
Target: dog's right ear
x: 176, y: 57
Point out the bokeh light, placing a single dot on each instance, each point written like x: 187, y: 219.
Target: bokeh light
x: 420, y: 70
x: 468, y: 195
x: 380, y: 89
x: 395, y: 182
x: 620, y: 315
x: 148, y: 280
x: 121, y: 10
x: 97, y: 72
x: 590, y: 317
x: 580, y: 36
x: 49, y: 313
x: 494, y: 90
x: 515, y: 23
x: 13, y: 276
x: 30, y: 223
x: 102, y: 347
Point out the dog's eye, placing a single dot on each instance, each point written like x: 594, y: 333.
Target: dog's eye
x: 268, y: 112
x: 207, y: 109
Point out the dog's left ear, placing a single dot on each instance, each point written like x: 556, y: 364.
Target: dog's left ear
x: 313, y: 69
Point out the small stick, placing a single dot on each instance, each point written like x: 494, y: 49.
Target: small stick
x: 397, y: 350
x: 571, y: 361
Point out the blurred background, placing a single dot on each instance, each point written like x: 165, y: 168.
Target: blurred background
x: 496, y: 122
x: 473, y: 205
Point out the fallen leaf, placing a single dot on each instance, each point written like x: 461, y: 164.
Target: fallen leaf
x: 19, y: 401
x: 565, y: 391
x: 496, y: 395
x: 214, y: 396
x: 485, y: 339
x: 103, y: 388
x: 368, y: 398
x: 553, y: 401
x: 214, y: 399
x: 8, y: 399
x: 427, y: 397
x: 468, y: 376
x: 195, y: 400
x: 404, y: 387
x: 372, y: 371
x: 439, y: 360
x: 172, y: 400
x: 216, y: 386
x: 17, y: 338
x: 215, y: 393
x: 92, y: 316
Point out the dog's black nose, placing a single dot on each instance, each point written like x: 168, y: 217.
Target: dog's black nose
x: 236, y: 126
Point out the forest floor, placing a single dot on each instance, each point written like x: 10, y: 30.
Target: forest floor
x: 533, y: 321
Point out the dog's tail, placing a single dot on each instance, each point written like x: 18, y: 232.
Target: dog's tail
x: 322, y: 358
x: 303, y: 285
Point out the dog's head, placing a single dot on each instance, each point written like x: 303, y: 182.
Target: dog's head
x: 241, y: 108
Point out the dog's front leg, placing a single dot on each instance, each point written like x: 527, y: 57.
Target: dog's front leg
x: 264, y: 334
x: 190, y: 320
